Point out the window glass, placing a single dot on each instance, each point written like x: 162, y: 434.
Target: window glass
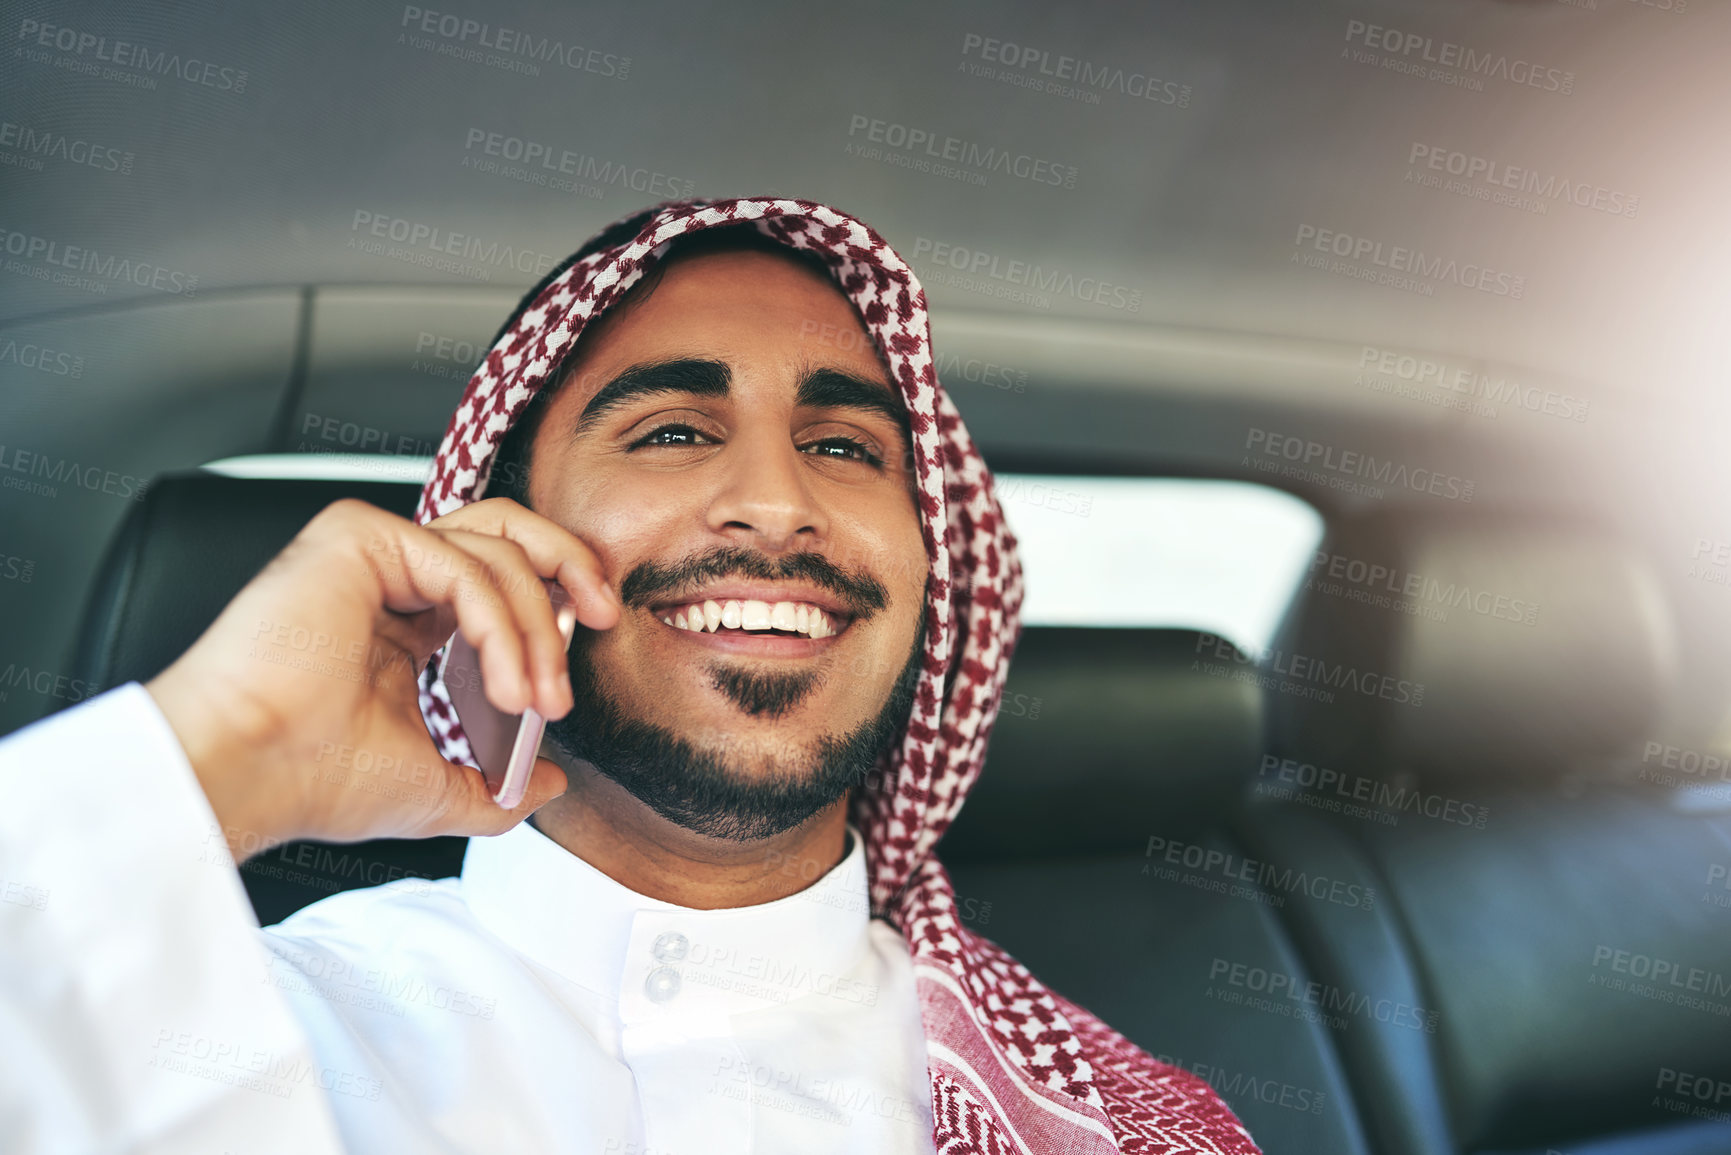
x: 1220, y: 556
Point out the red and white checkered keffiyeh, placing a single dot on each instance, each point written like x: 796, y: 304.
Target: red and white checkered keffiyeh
x: 1014, y: 1067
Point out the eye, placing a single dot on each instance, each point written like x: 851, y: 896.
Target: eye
x: 684, y: 433
x: 851, y: 450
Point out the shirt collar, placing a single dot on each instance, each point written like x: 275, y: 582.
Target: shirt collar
x: 661, y: 961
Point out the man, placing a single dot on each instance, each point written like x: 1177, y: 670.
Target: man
x: 798, y: 600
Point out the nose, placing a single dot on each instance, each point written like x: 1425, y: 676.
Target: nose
x: 764, y: 497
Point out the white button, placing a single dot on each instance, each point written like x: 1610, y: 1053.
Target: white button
x: 670, y: 947
x: 662, y: 984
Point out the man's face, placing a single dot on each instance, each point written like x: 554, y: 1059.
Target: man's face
x: 715, y: 453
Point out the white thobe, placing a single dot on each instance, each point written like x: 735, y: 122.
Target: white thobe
x: 531, y: 1005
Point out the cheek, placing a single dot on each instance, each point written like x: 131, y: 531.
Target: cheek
x: 621, y: 523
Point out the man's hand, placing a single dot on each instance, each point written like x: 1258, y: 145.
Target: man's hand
x: 298, y: 707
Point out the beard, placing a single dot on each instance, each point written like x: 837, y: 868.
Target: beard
x: 703, y: 791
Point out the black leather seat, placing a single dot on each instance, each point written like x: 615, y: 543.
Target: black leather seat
x: 174, y: 563
x: 1544, y: 912
x: 1095, y: 849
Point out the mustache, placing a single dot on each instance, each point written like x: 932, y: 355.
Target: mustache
x: 650, y: 582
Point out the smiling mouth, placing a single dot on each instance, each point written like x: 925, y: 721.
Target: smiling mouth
x: 755, y: 618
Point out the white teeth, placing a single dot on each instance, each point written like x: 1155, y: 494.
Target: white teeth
x: 752, y: 614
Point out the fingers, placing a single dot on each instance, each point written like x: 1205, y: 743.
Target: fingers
x: 476, y: 814
x: 552, y: 550
x: 544, y: 661
x: 485, y: 586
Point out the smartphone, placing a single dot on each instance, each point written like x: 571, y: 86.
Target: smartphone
x: 504, y: 745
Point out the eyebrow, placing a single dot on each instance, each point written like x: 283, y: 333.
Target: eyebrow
x: 833, y: 389
x: 689, y: 375
x: 818, y: 389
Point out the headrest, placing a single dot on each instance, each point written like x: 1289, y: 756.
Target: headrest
x: 1105, y: 737
x: 1473, y: 647
x: 184, y: 552
x: 179, y: 557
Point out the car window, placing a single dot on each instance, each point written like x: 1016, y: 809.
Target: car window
x: 1220, y: 556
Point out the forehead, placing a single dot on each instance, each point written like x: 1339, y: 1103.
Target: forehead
x: 749, y: 308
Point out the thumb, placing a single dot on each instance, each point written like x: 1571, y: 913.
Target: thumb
x: 546, y: 782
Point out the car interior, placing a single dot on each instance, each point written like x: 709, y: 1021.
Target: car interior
x: 1436, y: 860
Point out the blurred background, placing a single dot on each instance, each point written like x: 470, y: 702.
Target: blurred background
x: 1377, y: 337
